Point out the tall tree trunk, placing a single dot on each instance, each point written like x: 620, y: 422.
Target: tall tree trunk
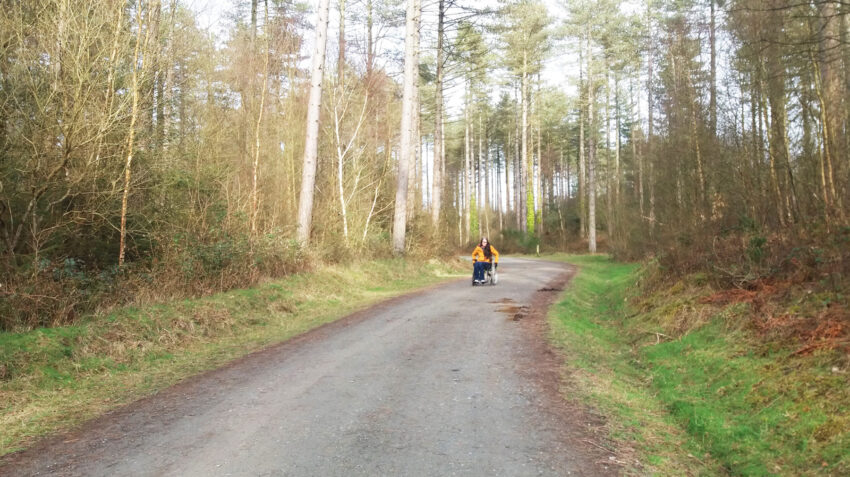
x: 526, y: 158
x: 845, y: 53
x: 830, y: 63
x: 569, y: 184
x: 253, y: 21
x: 408, y: 110
x: 508, y: 160
x: 458, y: 191
x: 311, y: 141
x: 702, y: 199
x: 153, y: 96
x: 437, y: 185
x: 414, y: 176
x: 255, y: 200
x: 774, y: 179
x: 775, y: 76
x: 519, y: 201
x: 443, y: 175
x: 340, y: 61
x: 824, y: 152
x: 649, y: 127
x: 538, y: 178
x: 370, y: 41
x: 617, y: 146
x: 582, y: 162
x: 755, y: 156
x: 483, y: 168
x: 712, y: 99
x: 134, y: 114
x: 591, y: 163
x: 759, y: 139
x: 499, y: 189
x: 609, y: 196
x: 467, y: 168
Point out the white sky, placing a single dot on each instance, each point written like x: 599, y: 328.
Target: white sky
x: 211, y: 13
x: 560, y: 70
x: 212, y: 16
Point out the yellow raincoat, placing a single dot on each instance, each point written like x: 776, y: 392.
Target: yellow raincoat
x: 478, y: 255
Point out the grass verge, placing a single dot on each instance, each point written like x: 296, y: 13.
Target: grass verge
x: 689, y: 388
x: 53, y: 379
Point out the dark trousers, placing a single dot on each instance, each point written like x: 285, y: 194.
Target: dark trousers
x: 479, y: 268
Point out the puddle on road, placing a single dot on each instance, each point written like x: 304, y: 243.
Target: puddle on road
x: 512, y: 309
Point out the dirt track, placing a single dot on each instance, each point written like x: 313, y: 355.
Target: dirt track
x: 454, y: 380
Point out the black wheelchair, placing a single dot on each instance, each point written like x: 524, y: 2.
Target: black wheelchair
x: 491, y: 276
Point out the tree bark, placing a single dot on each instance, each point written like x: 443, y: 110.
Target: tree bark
x: 134, y: 114
x: 467, y: 179
x: 528, y: 162
x: 437, y: 184
x: 775, y: 76
x: 538, y: 178
x: 617, y: 146
x: 712, y: 100
x: 591, y: 161
x: 609, y: 199
x: 518, y: 199
x: 649, y: 127
x: 255, y: 200
x: 340, y: 61
x: 582, y: 159
x: 370, y: 42
x: 414, y: 177
x: 483, y: 168
x: 406, y: 147
x: 830, y: 58
x: 253, y: 21
x: 311, y: 142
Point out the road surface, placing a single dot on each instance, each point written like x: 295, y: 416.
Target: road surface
x: 453, y: 380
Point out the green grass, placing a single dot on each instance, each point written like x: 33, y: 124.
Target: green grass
x: 688, y: 390
x: 53, y: 379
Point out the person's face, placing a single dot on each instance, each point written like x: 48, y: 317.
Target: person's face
x: 484, y: 242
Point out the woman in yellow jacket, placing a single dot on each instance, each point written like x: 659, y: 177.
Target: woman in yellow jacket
x: 483, y: 255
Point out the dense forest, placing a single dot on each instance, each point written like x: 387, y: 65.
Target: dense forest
x: 143, y: 156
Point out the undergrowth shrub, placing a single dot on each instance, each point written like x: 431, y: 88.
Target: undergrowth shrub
x: 787, y: 291
x: 191, y: 261
x: 517, y: 241
x: 57, y: 292
x: 745, y: 256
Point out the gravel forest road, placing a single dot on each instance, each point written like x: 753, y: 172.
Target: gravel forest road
x: 452, y: 380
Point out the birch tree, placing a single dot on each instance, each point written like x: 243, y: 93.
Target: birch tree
x: 311, y: 142
x: 138, y: 63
